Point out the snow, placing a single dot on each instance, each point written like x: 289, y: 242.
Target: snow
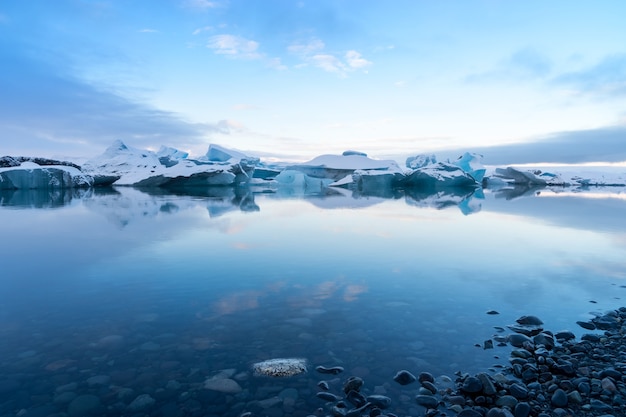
x: 353, y: 170
x: 168, y: 167
x: 29, y: 175
x: 351, y: 162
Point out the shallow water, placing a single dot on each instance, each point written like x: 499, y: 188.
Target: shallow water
x: 142, y: 288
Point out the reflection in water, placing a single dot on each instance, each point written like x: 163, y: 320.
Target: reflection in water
x: 142, y: 202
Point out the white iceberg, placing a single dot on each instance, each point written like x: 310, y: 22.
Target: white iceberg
x: 145, y: 168
x: 420, y: 161
x: 471, y: 164
x: 438, y: 176
x: 336, y: 167
x: 30, y: 175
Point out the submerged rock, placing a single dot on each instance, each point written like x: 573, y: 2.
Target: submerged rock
x: 280, y: 367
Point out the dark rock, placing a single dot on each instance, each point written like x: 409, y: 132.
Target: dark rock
x: 332, y: 371
x: 559, y: 398
x: 354, y: 383
x: 379, y: 401
x: 425, y: 376
x: 430, y: 387
x: 488, y: 387
x: 518, y: 340
x: 507, y: 401
x: 492, y: 312
x: 427, y: 401
x: 404, y: 377
x: 564, y: 336
x: 529, y: 321
x: 586, y: 325
x: 522, y: 410
x: 611, y: 372
x: 472, y: 385
x: 356, y: 398
x: 518, y: 391
x: 469, y: 413
x: 499, y: 412
x: 323, y: 385
x: 327, y: 396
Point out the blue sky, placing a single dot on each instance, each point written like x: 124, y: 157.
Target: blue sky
x: 528, y: 81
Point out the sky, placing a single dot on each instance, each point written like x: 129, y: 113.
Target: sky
x: 519, y: 82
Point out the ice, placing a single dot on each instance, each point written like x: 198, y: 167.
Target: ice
x: 144, y: 168
x: 420, y: 161
x: 298, y: 183
x: 172, y: 153
x: 217, y: 153
x: 440, y: 175
x: 29, y: 175
x: 471, y: 164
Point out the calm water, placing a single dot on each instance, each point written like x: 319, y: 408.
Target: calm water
x: 153, y: 293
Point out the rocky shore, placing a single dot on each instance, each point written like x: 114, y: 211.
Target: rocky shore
x: 550, y: 375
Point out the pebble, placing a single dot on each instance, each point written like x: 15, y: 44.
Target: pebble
x: 404, y: 377
x: 427, y: 401
x: 332, y: 370
x: 84, y: 405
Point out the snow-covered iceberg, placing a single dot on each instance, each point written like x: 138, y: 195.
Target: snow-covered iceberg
x: 337, y: 167
x: 30, y: 175
x: 170, y: 167
x: 438, y: 176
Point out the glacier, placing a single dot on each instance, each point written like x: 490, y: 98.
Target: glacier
x: 173, y: 169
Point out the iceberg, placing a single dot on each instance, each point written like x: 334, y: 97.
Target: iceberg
x: 471, y: 164
x: 440, y: 175
x: 171, y: 168
x: 336, y: 167
x: 30, y: 175
x: 420, y: 161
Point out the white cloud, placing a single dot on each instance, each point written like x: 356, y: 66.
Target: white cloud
x: 235, y: 46
x: 314, y: 45
x: 355, y: 60
x: 200, y: 4
x: 202, y: 29
x: 313, y: 53
x: 148, y: 31
x: 329, y: 63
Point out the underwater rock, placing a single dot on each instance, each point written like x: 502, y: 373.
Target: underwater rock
x: 280, y: 367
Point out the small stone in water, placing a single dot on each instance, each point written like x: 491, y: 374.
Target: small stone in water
x: 332, y: 371
x: 280, y: 367
x: 492, y: 312
x: 529, y: 321
x: 323, y: 385
x: 354, y: 383
x: 404, y: 377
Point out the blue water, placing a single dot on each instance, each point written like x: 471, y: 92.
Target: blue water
x: 141, y: 289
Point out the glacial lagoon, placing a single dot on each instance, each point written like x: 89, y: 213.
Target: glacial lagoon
x: 121, y: 294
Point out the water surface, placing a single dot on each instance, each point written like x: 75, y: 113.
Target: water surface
x: 144, y: 288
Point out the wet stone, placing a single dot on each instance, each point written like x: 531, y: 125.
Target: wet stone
x: 518, y: 391
x: 427, y: 401
x: 430, y: 387
x: 84, y: 405
x: 522, y: 410
x: 499, y: 412
x: 404, y: 377
x: 507, y: 401
x: 327, y: 396
x: 469, y: 413
x: 559, y: 398
x: 379, y: 401
x: 331, y: 370
x: 354, y: 383
x: 425, y: 376
x: 472, y: 385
